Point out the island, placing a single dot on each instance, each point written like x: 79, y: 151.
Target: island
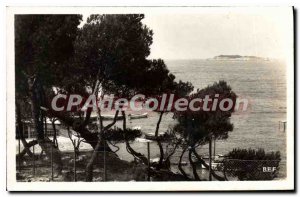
x: 238, y: 58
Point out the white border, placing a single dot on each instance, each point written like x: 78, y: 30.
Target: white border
x: 12, y: 185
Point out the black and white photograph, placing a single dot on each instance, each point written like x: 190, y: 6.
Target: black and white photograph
x: 150, y: 98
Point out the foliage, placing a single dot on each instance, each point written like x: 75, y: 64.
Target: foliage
x: 109, y: 47
x: 252, y: 154
x: 117, y: 46
x: 43, y: 44
x: 197, y: 127
x: 252, y: 164
x: 119, y: 135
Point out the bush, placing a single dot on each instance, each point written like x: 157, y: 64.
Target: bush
x: 252, y: 164
x: 118, y: 134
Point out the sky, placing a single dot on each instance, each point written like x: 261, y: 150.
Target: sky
x: 206, y: 36
x: 208, y: 32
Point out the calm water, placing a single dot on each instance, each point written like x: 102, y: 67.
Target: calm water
x: 263, y: 82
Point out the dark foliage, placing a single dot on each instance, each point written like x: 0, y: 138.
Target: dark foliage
x: 252, y: 164
x: 120, y: 135
x: 197, y: 127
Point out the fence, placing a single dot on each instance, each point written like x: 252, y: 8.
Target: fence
x: 231, y: 169
x: 29, y: 129
x: 30, y: 165
x: 41, y: 168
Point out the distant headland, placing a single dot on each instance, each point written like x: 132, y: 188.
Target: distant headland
x: 238, y: 58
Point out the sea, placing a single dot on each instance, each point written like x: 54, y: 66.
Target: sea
x: 263, y: 83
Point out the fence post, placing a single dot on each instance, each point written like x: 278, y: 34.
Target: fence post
x: 29, y: 131
x: 45, y: 121
x: 104, y: 164
x: 148, y: 148
x: 214, y: 147
x: 33, y: 160
x: 75, y: 177
x: 209, y: 147
x: 19, y: 156
x: 52, y: 176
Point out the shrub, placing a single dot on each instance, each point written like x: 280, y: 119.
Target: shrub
x: 252, y: 164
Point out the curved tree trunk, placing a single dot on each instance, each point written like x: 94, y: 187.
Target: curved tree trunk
x: 20, y: 131
x: 101, y: 146
x: 158, y: 123
x: 140, y: 156
x: 79, y: 127
x: 173, y: 151
x: 161, y: 158
x: 37, y: 99
x: 180, y: 166
x: 161, y: 150
x: 89, y: 166
x: 207, y: 167
x: 25, y: 150
x: 52, y: 151
x: 194, y: 167
x: 167, y: 160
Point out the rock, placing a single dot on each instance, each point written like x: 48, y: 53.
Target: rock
x: 98, y: 179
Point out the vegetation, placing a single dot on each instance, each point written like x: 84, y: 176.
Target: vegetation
x: 250, y: 164
x: 200, y: 127
x: 108, y: 55
x: 43, y: 43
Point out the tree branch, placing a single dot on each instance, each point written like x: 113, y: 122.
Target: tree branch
x: 207, y: 166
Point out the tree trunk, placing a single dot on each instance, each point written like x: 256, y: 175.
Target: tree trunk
x: 167, y: 160
x: 101, y: 146
x: 28, y: 145
x: 140, y: 156
x: 89, y: 137
x: 209, y: 147
x: 89, y: 166
x: 161, y: 150
x: 207, y: 167
x: 158, y: 124
x: 21, y: 133
x: 194, y: 167
x: 180, y: 166
x: 53, y: 153
x: 37, y: 99
x: 76, y: 125
x: 161, y: 158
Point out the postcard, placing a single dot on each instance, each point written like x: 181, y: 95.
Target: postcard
x: 150, y: 98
